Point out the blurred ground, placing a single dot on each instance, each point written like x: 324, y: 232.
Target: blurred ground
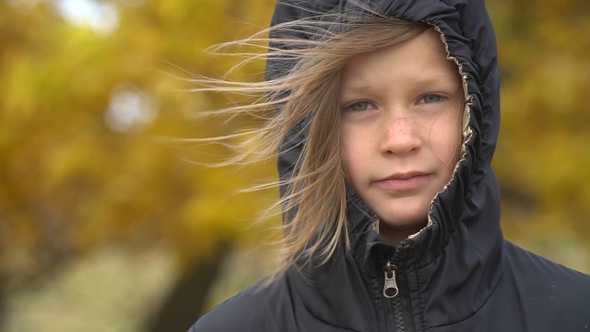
x: 109, y: 291
x: 114, y: 291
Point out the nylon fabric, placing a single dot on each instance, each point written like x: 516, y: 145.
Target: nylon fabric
x: 457, y: 274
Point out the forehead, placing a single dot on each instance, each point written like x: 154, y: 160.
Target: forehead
x: 424, y: 55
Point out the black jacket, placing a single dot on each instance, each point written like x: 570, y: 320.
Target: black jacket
x: 459, y: 274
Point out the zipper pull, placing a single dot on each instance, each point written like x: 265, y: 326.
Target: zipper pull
x: 390, y: 289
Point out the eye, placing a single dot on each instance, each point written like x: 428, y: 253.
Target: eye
x: 430, y: 98
x: 360, y: 106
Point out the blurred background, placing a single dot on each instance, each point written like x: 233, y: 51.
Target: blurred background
x: 108, y: 224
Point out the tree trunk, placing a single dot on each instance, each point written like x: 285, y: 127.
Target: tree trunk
x: 186, y: 301
x: 2, y: 310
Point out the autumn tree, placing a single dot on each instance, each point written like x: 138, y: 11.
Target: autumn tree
x: 88, y: 127
x: 543, y: 159
x: 92, y: 118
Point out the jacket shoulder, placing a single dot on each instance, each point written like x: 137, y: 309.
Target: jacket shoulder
x: 538, y: 271
x: 553, y: 293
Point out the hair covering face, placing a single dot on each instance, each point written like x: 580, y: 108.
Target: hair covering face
x: 471, y: 203
x: 469, y: 36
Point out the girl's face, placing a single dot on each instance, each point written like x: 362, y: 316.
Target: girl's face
x: 401, y: 111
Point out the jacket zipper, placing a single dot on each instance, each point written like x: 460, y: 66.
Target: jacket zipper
x: 390, y: 289
x: 392, y: 301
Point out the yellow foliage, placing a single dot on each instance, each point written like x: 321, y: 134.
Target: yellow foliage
x: 70, y: 182
x: 542, y: 157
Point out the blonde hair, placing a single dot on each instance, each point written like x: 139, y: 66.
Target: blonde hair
x: 304, y: 101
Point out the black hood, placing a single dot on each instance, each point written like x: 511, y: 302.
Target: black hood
x: 456, y: 274
x: 463, y: 238
x: 469, y: 37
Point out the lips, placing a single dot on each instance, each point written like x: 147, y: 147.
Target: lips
x: 405, y: 181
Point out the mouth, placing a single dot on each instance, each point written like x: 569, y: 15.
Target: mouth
x: 404, y: 181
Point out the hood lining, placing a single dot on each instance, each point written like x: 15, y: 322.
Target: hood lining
x: 467, y: 132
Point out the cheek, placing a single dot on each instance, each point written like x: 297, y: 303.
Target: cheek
x: 352, y: 154
x: 346, y: 154
x: 447, y: 141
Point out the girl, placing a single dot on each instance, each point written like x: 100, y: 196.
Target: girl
x: 388, y: 114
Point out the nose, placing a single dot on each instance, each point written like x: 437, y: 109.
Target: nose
x: 400, y: 135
